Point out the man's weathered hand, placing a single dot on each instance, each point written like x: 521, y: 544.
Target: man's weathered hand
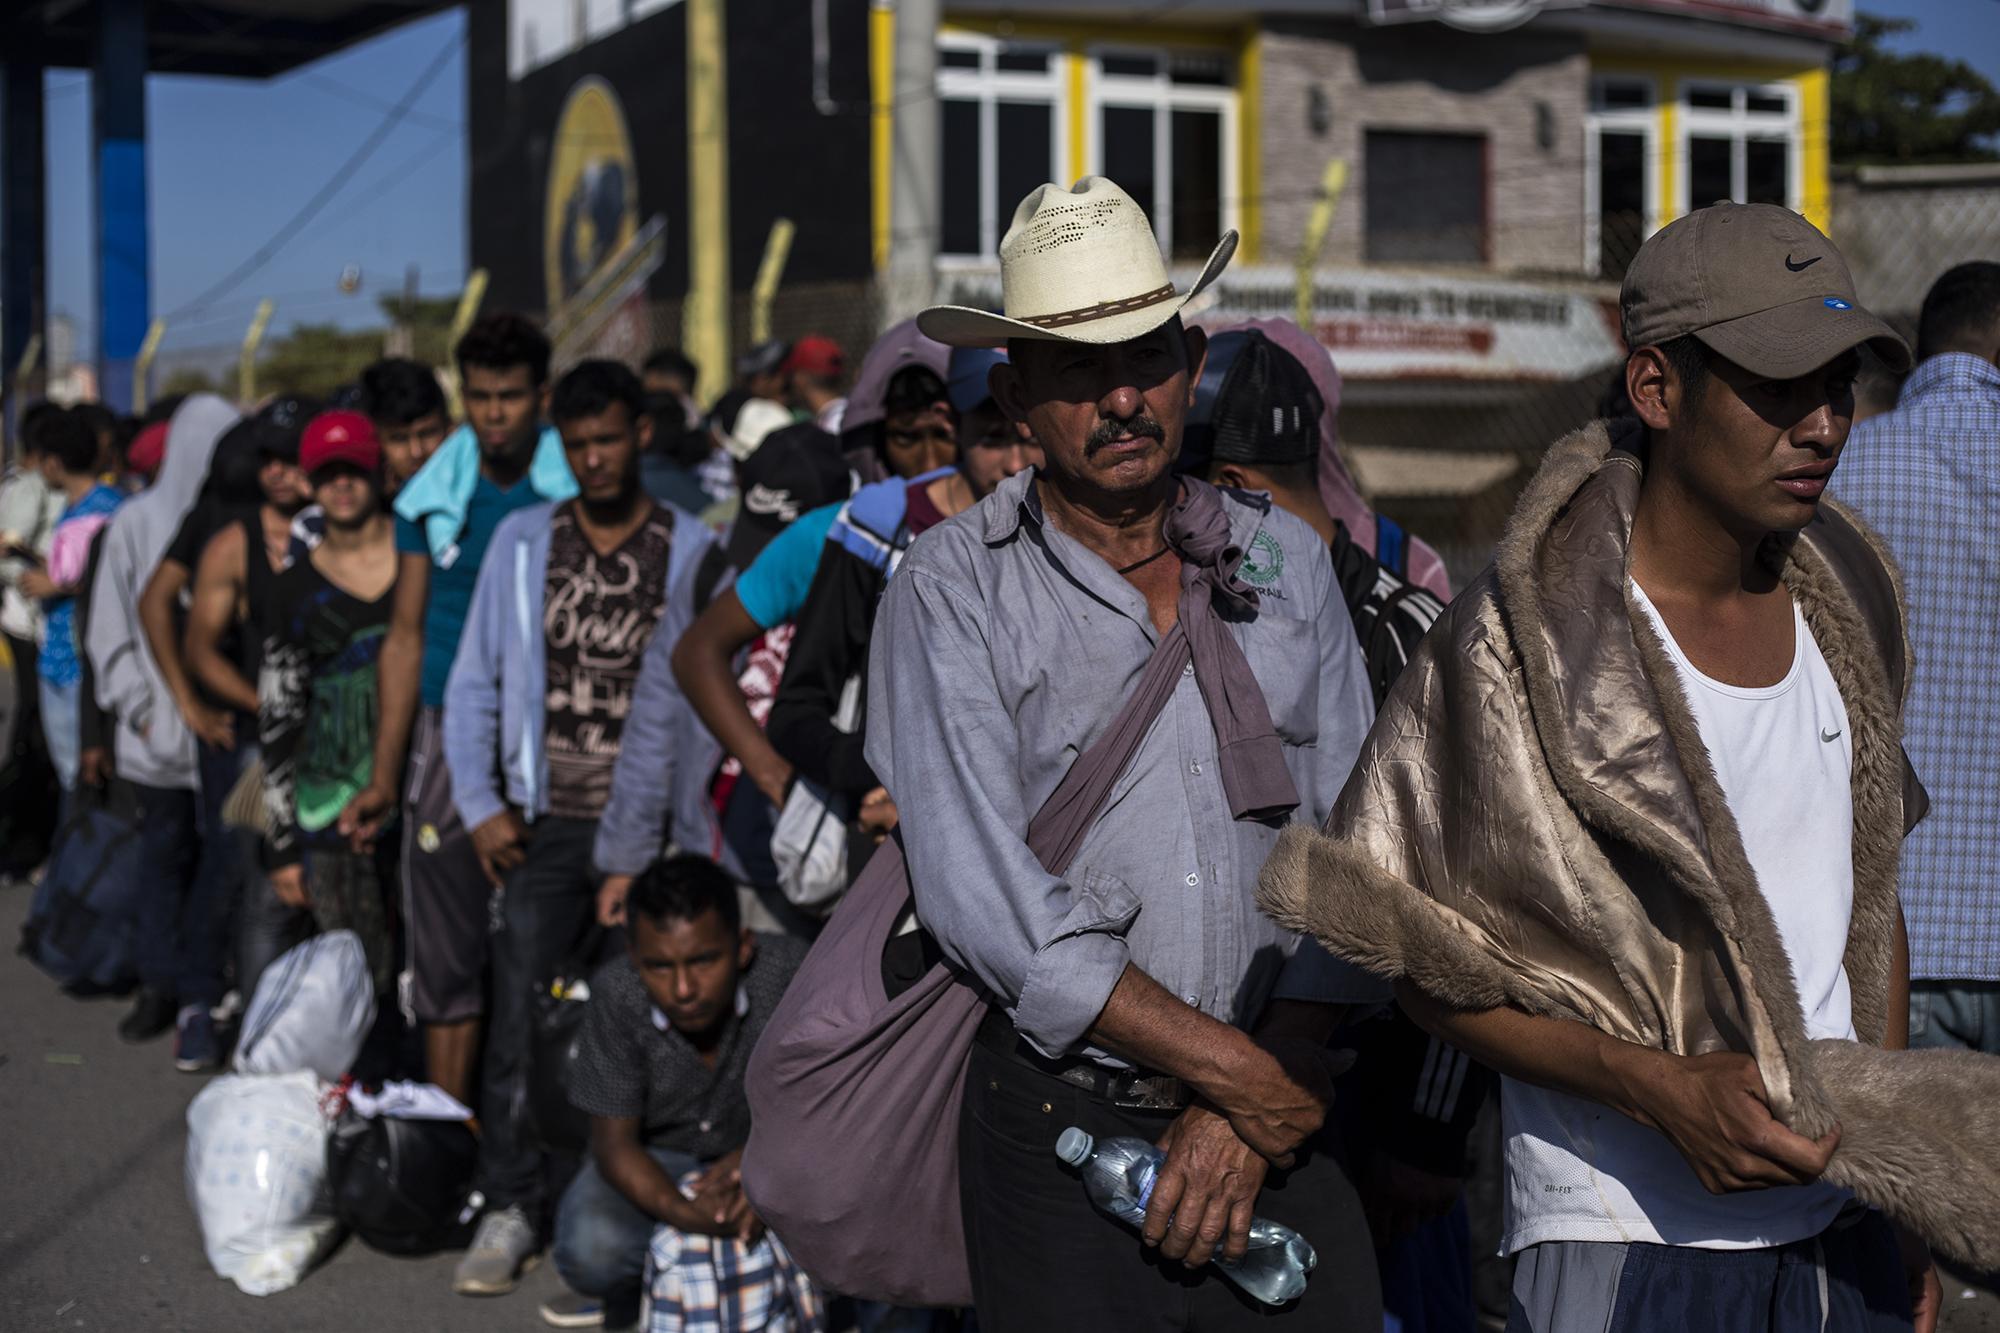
x: 362, y: 818
x: 501, y: 843
x: 1206, y: 1192
x: 1280, y: 1096
x: 1714, y: 1109
x: 1397, y: 1198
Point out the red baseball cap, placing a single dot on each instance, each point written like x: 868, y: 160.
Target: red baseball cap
x: 815, y: 354
x: 340, y: 437
x: 147, y: 450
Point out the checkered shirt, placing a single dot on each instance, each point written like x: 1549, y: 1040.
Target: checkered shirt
x: 712, y: 1284
x: 1924, y: 477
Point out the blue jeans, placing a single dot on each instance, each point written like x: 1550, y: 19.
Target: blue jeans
x: 60, y: 728
x: 1955, y: 1015
x: 601, y: 1237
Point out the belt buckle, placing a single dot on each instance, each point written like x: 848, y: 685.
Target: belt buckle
x: 1141, y: 1092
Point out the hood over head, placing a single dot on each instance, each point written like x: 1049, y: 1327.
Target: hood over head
x: 197, y: 425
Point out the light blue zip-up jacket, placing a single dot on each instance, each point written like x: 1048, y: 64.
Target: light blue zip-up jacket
x: 495, y: 715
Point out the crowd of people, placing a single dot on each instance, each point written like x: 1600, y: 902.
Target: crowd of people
x: 601, y: 678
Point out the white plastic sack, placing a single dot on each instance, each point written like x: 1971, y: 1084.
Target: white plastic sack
x: 256, y: 1175
x: 311, y: 1012
x: 809, y: 841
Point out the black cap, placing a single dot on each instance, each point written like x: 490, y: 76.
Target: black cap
x: 1254, y: 404
x: 281, y: 422
x: 796, y: 469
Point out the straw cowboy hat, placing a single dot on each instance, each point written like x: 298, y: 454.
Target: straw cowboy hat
x: 1076, y: 265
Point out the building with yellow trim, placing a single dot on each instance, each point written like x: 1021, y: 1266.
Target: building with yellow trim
x: 1507, y: 136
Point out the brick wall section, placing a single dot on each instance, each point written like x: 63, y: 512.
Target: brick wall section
x: 1426, y: 77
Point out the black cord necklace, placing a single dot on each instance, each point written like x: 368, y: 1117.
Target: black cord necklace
x: 1141, y: 564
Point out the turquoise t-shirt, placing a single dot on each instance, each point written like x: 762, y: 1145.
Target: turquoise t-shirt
x: 773, y: 589
x: 451, y: 589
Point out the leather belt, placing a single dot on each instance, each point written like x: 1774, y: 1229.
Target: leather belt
x: 1129, y: 1089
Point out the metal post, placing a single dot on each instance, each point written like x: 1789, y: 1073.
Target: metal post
x: 914, y: 205
x: 469, y: 301
x: 23, y: 230
x: 124, y: 270
x: 705, y: 316
x: 771, y: 272
x: 1330, y: 186
x: 142, y: 366
x: 246, y: 363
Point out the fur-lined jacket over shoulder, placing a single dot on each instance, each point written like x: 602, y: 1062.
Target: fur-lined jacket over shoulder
x: 1534, y: 822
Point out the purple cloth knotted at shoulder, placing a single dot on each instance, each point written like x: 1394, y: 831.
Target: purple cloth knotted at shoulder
x: 854, y: 1097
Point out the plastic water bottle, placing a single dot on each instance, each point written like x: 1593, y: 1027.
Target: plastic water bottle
x: 1118, y: 1174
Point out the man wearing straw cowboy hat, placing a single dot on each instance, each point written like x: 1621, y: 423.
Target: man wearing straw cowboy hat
x: 1141, y: 992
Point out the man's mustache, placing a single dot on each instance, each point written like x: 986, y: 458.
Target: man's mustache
x: 1108, y: 432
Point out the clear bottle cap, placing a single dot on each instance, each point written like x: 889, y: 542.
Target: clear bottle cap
x: 1075, y: 1146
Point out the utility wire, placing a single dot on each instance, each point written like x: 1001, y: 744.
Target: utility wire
x: 266, y: 252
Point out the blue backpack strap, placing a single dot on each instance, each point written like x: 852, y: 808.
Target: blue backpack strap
x: 1391, y: 546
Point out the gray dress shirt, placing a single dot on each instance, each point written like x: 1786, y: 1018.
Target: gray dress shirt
x: 1002, y: 650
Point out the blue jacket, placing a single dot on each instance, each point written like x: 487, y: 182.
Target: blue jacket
x: 495, y: 715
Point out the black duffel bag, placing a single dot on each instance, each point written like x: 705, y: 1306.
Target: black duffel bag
x: 403, y: 1186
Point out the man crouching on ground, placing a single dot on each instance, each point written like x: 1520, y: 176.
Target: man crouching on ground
x: 659, y: 1068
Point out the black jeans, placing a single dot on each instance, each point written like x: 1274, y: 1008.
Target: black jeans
x: 547, y: 909
x: 1044, y: 1258
x: 182, y: 927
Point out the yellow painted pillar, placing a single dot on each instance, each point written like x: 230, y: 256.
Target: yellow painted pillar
x: 705, y: 315
x: 881, y: 124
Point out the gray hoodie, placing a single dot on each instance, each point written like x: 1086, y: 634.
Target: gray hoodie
x: 153, y: 747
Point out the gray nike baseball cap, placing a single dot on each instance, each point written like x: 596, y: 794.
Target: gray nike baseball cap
x: 1759, y: 285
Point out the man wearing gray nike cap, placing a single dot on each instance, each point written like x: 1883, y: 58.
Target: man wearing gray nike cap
x: 1658, y: 894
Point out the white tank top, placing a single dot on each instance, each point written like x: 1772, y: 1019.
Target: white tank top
x: 1580, y: 1171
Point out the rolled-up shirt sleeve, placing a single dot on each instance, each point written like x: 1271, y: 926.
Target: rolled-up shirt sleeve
x: 946, y: 749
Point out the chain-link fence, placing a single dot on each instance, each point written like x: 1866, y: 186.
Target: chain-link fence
x: 1455, y: 380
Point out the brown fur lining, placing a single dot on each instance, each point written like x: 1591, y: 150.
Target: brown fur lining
x: 1920, y: 1131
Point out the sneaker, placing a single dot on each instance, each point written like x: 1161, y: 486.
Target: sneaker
x: 229, y: 1010
x: 196, y: 1050
x: 152, y: 1014
x: 502, y: 1249
x: 573, y: 1309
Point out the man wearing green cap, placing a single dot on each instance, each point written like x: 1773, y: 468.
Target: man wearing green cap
x: 1626, y: 831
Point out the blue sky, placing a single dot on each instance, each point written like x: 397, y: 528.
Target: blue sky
x: 232, y: 161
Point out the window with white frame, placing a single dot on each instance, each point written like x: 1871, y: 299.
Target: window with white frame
x: 1621, y: 148
x: 1162, y: 124
x: 1740, y: 141
x: 1002, y: 111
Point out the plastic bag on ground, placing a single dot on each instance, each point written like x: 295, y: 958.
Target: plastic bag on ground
x: 312, y: 1010
x: 256, y: 1175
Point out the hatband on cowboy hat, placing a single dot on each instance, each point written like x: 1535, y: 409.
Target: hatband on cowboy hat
x: 1076, y: 265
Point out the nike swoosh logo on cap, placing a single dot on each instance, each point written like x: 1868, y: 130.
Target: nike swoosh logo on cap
x: 1829, y: 739
x: 1800, y: 268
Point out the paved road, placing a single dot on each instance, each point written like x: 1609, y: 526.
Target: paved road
x: 95, y: 1227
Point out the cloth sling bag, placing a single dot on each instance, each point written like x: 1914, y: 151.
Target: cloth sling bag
x: 854, y: 1096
